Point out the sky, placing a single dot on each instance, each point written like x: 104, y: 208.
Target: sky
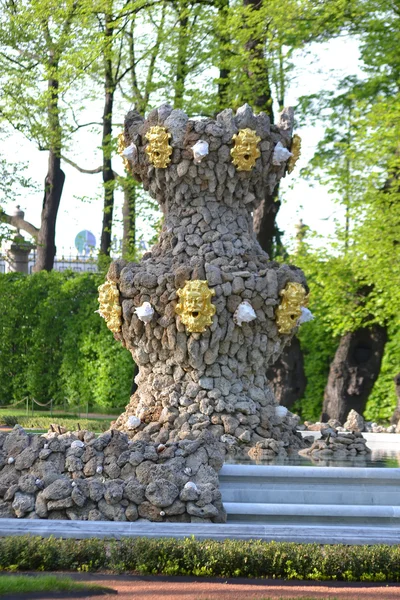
x: 81, y: 204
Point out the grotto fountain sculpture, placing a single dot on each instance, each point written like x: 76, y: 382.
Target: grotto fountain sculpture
x: 221, y: 311
x: 204, y: 314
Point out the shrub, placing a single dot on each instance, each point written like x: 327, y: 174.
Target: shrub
x: 54, y: 345
x: 206, y: 558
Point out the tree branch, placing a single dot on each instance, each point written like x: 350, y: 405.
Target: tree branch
x: 87, y: 171
x: 19, y: 224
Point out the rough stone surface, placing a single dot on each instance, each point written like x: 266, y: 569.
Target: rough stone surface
x: 215, y: 380
x: 334, y: 444
x: 354, y: 422
x: 154, y: 487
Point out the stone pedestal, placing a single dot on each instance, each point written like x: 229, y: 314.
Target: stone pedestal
x: 190, y: 381
x: 18, y: 256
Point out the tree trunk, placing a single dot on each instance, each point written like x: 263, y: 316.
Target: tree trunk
x: 181, y: 66
x: 224, y: 70
x: 54, y: 182
x: 396, y: 415
x: 353, y: 372
x: 46, y: 239
x: 108, y: 173
x: 287, y: 375
x: 129, y: 218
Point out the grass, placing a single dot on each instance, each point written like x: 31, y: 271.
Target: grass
x: 25, y: 584
x: 43, y: 423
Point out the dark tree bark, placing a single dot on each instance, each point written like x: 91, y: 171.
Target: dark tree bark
x: 224, y: 70
x: 182, y: 68
x: 54, y: 182
x: 108, y: 173
x: 396, y: 415
x: 287, y: 375
x: 353, y: 372
x: 129, y: 218
x: 46, y: 239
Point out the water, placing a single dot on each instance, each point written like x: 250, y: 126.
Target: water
x: 380, y: 458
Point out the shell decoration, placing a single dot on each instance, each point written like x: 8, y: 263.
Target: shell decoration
x: 296, y: 152
x: 306, y: 316
x: 281, y: 411
x: 294, y: 297
x: 245, y: 151
x: 110, y: 308
x: 281, y: 154
x: 158, y: 149
x: 244, y: 313
x: 200, y: 150
x: 145, y: 312
x: 195, y: 307
x: 133, y: 422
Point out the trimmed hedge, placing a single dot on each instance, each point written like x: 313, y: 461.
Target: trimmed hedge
x: 205, y: 558
x: 54, y: 345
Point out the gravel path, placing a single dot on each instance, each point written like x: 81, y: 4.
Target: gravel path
x: 189, y: 588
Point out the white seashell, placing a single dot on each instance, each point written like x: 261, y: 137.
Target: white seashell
x: 131, y: 153
x: 77, y: 444
x: 133, y: 422
x: 281, y: 155
x: 187, y: 471
x: 191, y: 486
x: 281, y: 411
x: 99, y: 469
x: 162, y: 513
x: 145, y: 312
x: 11, y: 460
x: 244, y: 313
x: 306, y: 315
x: 200, y: 150
x: 73, y: 484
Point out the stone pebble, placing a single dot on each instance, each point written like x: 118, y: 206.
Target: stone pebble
x: 146, y: 481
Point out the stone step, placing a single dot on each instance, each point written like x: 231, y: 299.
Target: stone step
x: 301, y: 533
x: 388, y: 516
x: 311, y: 495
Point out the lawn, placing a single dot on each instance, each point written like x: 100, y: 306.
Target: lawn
x: 28, y: 584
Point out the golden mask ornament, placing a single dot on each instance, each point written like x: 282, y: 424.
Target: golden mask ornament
x: 296, y: 152
x: 158, y: 149
x: 245, y: 152
x: 195, y: 307
x: 110, y: 307
x: 121, y: 148
x: 294, y: 296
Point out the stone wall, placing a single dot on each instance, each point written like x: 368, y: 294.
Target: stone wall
x: 79, y: 476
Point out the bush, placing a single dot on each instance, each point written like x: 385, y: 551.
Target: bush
x: 207, y: 558
x: 54, y: 345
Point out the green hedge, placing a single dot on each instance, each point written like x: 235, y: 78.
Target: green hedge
x: 206, y: 558
x: 54, y: 345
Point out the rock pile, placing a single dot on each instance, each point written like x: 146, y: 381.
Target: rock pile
x: 337, y: 445
x: 354, y: 422
x: 213, y: 380
x: 79, y: 476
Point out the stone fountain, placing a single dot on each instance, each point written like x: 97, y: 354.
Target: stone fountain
x: 205, y: 313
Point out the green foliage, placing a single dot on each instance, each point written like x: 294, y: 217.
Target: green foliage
x: 204, y: 558
x: 382, y: 401
x: 54, y: 345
